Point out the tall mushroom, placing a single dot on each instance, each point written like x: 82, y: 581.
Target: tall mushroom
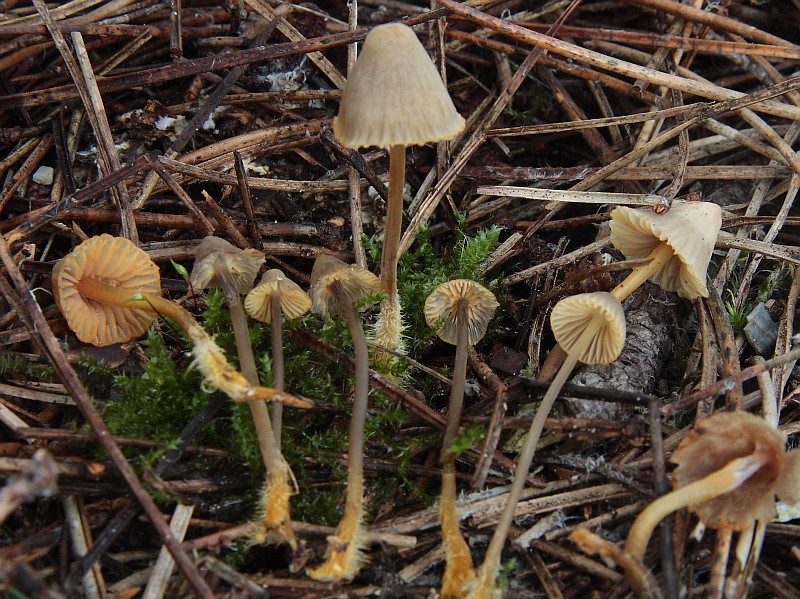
x: 275, y: 295
x: 394, y: 98
x: 335, y: 287
x: 106, y: 287
x: 590, y: 327
x: 460, y: 311
x: 218, y: 263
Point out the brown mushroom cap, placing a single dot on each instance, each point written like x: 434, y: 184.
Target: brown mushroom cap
x: 394, y: 95
x: 243, y: 264
x: 572, y: 316
x: 689, y: 228
x: 722, y: 438
x: 118, y: 263
x: 334, y: 282
x: 441, y: 309
x: 294, y: 301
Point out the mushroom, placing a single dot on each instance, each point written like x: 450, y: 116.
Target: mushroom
x: 590, y: 327
x: 729, y: 470
x: 218, y: 263
x: 460, y: 311
x: 335, y: 287
x: 276, y: 294
x: 107, y: 286
x: 394, y: 98
x: 678, y: 243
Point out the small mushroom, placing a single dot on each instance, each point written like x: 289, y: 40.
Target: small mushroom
x: 460, y: 311
x: 273, y: 296
x: 729, y: 470
x: 590, y: 327
x: 335, y: 287
x: 678, y: 243
x: 107, y: 283
x: 219, y: 263
x: 394, y: 98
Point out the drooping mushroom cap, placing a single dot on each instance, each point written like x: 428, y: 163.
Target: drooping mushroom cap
x: 573, y: 315
x: 112, y: 261
x: 441, y: 309
x: 294, y: 301
x: 243, y: 264
x: 689, y: 228
x: 394, y: 95
x: 727, y: 436
x: 334, y: 284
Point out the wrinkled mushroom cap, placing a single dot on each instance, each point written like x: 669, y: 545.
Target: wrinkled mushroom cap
x: 441, y: 309
x: 724, y: 437
x: 572, y: 315
x: 113, y: 261
x: 689, y: 228
x: 394, y: 95
x: 294, y: 301
x: 334, y: 284
x: 243, y: 264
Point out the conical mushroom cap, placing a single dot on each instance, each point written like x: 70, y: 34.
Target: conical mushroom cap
x: 334, y: 284
x: 294, y: 301
x: 441, y: 309
x: 114, y: 261
x: 573, y: 315
x: 243, y: 264
x: 722, y: 438
x: 394, y: 95
x: 689, y: 228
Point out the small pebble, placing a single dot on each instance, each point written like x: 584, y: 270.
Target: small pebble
x: 43, y: 175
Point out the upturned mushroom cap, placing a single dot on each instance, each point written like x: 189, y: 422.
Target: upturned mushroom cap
x: 294, y: 301
x: 118, y: 263
x: 394, y: 95
x: 243, y: 264
x: 689, y: 228
x: 441, y: 309
x: 572, y: 316
x: 722, y: 438
x: 334, y: 283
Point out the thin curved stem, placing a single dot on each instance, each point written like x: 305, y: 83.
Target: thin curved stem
x: 726, y: 479
x: 459, y: 379
x: 394, y: 220
x: 276, y: 320
x: 658, y: 258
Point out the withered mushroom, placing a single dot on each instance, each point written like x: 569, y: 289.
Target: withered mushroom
x: 590, y: 327
x: 335, y: 287
x: 105, y: 281
x: 394, y: 98
x: 460, y: 311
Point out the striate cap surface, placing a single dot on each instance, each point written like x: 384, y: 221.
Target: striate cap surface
x: 573, y: 315
x: 441, y: 309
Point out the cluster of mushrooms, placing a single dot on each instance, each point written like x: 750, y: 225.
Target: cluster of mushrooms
x: 109, y: 292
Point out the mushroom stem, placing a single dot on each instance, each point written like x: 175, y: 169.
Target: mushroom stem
x: 459, y: 379
x: 491, y: 562
x: 715, y: 484
x: 277, y: 361
x: 658, y: 258
x: 345, y: 546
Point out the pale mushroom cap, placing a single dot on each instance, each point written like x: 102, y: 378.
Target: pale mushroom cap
x: 441, y: 309
x: 689, y: 228
x: 394, y: 95
x: 727, y: 436
x: 243, y: 264
x: 114, y: 261
x: 572, y: 315
x: 352, y: 281
x: 294, y: 301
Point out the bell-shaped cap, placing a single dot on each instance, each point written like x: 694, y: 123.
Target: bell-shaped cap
x: 243, y: 264
x: 394, y: 95
x: 573, y: 315
x: 113, y: 261
x: 442, y: 309
x: 294, y: 301
x: 335, y: 284
x: 722, y: 438
x: 689, y: 228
